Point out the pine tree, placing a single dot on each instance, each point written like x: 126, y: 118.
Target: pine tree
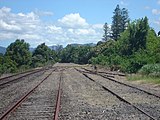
x: 116, y: 23
x: 119, y: 23
x: 106, y: 35
x: 125, y: 19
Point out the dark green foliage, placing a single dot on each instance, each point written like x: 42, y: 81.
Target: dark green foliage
x: 76, y: 54
x: 99, y: 42
x: 18, y: 57
x: 19, y: 53
x: 135, y: 37
x: 119, y: 22
x: 116, y: 23
x: 8, y: 65
x: 106, y: 35
x: 124, y: 19
x: 159, y: 33
x: 137, y: 46
x: 43, y: 55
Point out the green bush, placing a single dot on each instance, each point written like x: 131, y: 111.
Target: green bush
x: 151, y: 69
x: 9, y: 68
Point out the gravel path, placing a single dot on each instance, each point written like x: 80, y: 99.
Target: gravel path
x: 84, y: 100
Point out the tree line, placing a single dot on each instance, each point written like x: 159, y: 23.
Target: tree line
x: 18, y: 57
x: 126, y: 46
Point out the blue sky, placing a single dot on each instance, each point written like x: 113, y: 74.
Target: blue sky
x: 66, y: 21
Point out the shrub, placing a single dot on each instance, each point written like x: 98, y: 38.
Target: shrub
x: 151, y: 69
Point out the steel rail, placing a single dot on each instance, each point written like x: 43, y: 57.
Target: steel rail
x: 21, y: 77
x: 57, y: 109
x: 23, y: 98
x: 134, y: 87
x: 120, y: 74
x: 19, y: 73
x: 91, y: 72
x: 121, y: 98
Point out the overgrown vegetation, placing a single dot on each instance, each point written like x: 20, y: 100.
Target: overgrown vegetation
x: 73, y: 54
x: 19, y: 58
x: 136, y: 46
x: 128, y: 46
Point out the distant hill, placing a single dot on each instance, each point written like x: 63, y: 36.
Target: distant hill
x: 31, y: 49
x: 56, y: 47
x: 2, y: 50
x: 88, y: 44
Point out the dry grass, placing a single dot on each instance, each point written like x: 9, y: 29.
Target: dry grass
x: 144, y: 78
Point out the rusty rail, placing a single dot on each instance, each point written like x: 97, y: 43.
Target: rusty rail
x: 23, y: 98
x: 58, y: 99
x: 20, y: 77
x: 28, y: 71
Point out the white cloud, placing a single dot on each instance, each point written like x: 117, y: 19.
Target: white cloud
x: 85, y: 31
x: 155, y: 11
x: 158, y: 2
x: 5, y: 9
x: 54, y: 29
x: 73, y: 20
x: 5, y: 26
x: 29, y: 36
x: 71, y: 28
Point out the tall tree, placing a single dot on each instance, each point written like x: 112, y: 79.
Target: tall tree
x: 116, y: 23
x: 106, y: 35
x: 124, y: 19
x: 19, y: 52
x: 119, y: 22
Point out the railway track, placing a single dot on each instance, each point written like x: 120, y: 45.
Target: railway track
x: 43, y: 98
x: 16, y: 77
x: 107, y: 73
x: 111, y: 78
x: 19, y: 73
x: 151, y: 111
x: 39, y: 102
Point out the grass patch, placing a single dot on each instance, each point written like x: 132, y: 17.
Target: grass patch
x: 144, y: 78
